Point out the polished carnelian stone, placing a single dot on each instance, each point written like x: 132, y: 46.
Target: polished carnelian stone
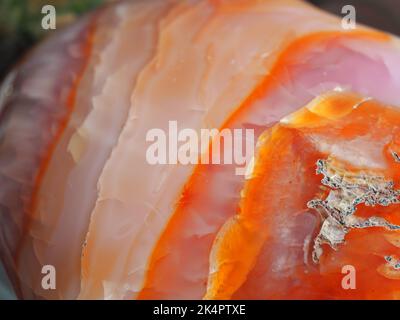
x: 325, y: 234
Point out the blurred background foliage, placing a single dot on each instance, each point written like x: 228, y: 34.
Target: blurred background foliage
x: 20, y: 24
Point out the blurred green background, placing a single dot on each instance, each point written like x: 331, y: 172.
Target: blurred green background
x: 20, y: 24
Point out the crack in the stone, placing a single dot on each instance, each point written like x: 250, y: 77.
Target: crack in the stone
x: 348, y: 190
x: 395, y: 156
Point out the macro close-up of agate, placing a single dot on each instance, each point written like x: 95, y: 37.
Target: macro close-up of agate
x: 210, y: 149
